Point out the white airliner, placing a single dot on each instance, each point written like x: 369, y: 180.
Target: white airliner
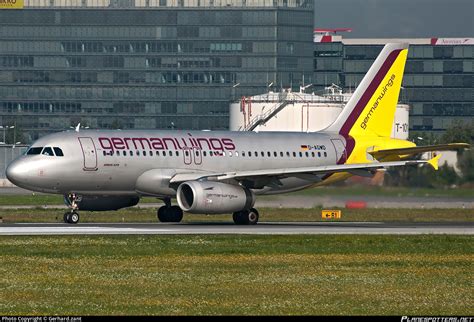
x: 222, y: 172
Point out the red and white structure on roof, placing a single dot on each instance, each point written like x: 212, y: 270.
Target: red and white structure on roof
x: 326, y: 35
x: 329, y: 35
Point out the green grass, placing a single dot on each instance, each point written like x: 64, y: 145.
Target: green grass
x: 266, y: 214
x: 202, y: 275
x: 359, y: 191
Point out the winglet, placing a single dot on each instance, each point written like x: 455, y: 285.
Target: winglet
x: 434, y: 161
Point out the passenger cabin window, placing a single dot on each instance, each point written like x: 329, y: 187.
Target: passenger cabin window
x: 34, y: 151
x: 47, y: 151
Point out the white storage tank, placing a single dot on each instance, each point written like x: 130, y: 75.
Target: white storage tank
x: 299, y: 112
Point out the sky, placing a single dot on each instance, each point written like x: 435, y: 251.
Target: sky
x: 397, y: 18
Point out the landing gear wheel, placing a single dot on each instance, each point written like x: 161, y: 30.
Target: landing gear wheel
x: 162, y: 214
x: 252, y: 216
x: 246, y: 217
x: 170, y: 214
x: 71, y: 217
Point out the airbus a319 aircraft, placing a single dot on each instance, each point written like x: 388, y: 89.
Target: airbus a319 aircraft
x: 222, y: 172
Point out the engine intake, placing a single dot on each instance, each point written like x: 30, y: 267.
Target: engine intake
x: 209, y: 197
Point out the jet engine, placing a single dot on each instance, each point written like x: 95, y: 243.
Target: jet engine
x: 209, y: 197
x: 103, y: 203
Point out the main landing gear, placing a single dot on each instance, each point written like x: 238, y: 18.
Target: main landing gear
x: 246, y: 217
x: 169, y: 213
x: 72, y: 215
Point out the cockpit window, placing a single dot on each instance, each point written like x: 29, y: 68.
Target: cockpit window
x: 47, y: 151
x: 58, y: 151
x: 33, y: 151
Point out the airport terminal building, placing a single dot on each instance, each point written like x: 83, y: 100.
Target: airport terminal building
x: 177, y: 64
x: 145, y: 64
x: 438, y: 83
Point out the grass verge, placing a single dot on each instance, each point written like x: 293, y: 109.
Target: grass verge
x: 202, y: 275
x: 350, y: 191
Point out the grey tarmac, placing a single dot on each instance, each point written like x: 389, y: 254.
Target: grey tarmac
x: 263, y: 228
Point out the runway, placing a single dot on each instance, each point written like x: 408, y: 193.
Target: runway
x: 263, y: 228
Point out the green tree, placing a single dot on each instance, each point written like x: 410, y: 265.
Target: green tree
x: 15, y: 134
x: 459, y: 132
x: 466, y: 164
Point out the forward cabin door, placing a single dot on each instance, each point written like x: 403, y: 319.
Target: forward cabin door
x: 340, y: 148
x: 89, y: 153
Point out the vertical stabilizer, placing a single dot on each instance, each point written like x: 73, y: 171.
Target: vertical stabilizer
x: 371, y: 109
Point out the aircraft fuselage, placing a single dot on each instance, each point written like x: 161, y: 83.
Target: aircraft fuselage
x: 110, y: 162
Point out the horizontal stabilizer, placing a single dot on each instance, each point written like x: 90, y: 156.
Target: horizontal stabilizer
x: 404, y: 152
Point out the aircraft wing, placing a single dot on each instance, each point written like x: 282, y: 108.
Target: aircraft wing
x: 397, y: 154
x: 358, y: 169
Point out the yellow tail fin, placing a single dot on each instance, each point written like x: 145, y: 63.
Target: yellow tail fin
x: 371, y: 109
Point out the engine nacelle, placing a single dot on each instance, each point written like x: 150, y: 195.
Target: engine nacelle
x: 103, y: 203
x: 209, y: 197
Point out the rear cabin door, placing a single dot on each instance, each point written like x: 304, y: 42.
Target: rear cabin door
x: 340, y: 151
x: 89, y: 153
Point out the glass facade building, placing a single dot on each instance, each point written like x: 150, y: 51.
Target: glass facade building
x: 438, y: 83
x: 146, y: 64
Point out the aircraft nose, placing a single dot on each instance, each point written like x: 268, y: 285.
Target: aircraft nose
x: 17, y: 172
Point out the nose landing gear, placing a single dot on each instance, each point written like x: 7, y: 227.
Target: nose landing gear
x: 72, y: 216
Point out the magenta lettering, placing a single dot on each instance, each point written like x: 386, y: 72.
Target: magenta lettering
x: 217, y: 144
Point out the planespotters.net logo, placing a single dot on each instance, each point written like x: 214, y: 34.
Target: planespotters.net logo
x: 437, y: 319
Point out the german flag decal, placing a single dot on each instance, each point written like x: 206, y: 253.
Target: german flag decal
x: 305, y: 147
